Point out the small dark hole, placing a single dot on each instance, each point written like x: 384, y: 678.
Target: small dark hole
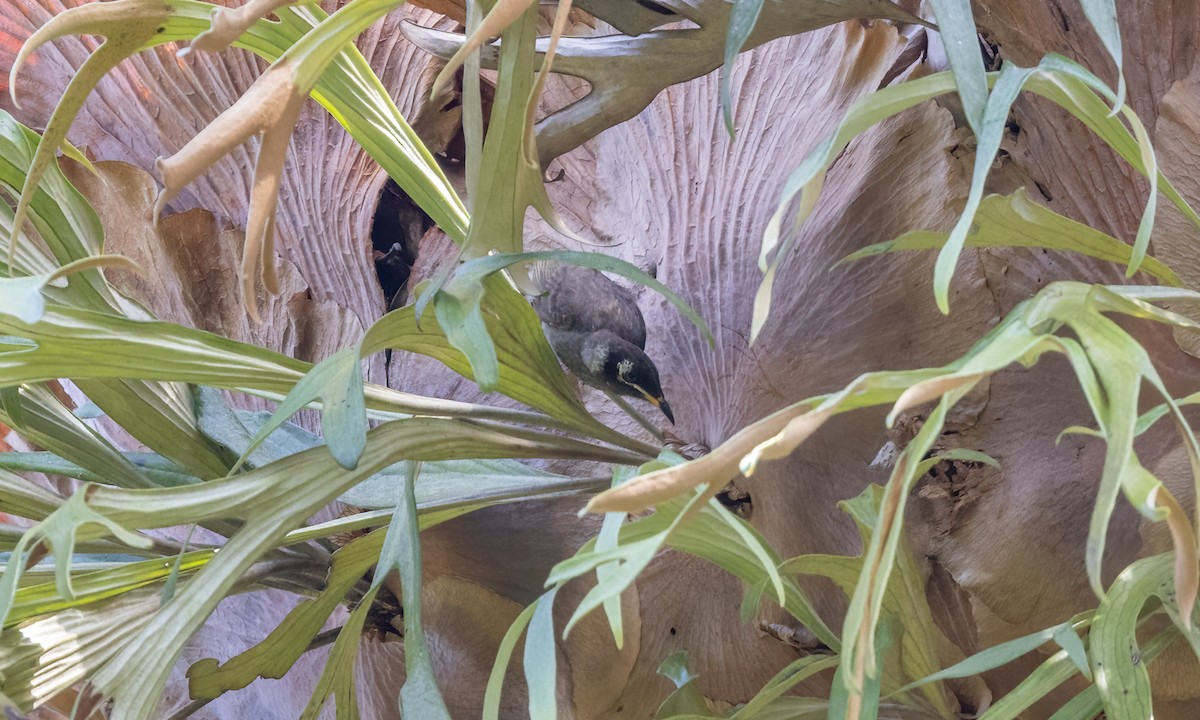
x: 672, y: 631
x: 395, y: 236
x: 737, y: 500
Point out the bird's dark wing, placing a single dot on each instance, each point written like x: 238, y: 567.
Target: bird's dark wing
x: 582, y: 300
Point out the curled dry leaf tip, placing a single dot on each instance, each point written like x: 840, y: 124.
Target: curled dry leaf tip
x: 785, y: 442
x: 714, y: 469
x: 94, y: 262
x: 1187, y: 564
x: 930, y: 390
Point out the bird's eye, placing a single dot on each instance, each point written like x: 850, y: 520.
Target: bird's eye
x: 623, y: 369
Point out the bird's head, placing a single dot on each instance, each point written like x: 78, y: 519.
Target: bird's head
x: 631, y: 372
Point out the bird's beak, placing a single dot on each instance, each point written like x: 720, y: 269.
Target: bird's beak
x: 658, y: 402
x: 661, y: 404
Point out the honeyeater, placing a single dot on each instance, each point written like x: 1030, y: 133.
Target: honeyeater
x: 597, y: 331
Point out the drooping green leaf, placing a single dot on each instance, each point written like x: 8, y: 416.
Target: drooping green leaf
x: 1017, y: 221
x: 1081, y: 92
x: 809, y: 176
x: 337, y: 382
x: 633, y: 557
x: 704, y: 535
x: 758, y: 549
x: 338, y: 677
x: 904, y: 602
x: 1121, y: 381
x: 606, y: 540
x: 419, y: 696
x: 1102, y: 14
x: 956, y: 25
x: 709, y: 538
x: 1068, y: 640
x: 1001, y: 654
x: 461, y: 318
x: 1058, y: 79
x: 630, y: 559
x: 989, y: 127
x: 495, y: 684
x: 741, y: 23
x: 541, y: 666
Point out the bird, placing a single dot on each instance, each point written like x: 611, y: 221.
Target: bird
x: 596, y: 330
